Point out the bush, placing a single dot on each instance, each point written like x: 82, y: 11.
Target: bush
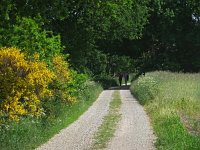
x: 23, y: 84
x: 78, y: 83
x: 28, y: 35
x: 106, y: 81
x: 63, y: 79
x: 145, y: 88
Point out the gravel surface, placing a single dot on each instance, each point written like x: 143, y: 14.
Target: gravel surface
x: 79, y: 135
x: 134, y: 131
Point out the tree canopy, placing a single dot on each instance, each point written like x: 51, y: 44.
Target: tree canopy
x: 154, y: 34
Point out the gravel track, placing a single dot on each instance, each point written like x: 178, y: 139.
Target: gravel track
x: 134, y: 131
x: 79, y: 135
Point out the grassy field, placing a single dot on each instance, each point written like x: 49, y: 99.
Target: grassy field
x: 172, y: 101
x: 107, y: 129
x: 29, y: 134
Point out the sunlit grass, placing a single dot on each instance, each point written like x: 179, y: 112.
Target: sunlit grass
x: 174, y: 109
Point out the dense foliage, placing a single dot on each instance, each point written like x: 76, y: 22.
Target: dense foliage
x: 159, y: 34
x: 28, y: 81
x: 28, y: 35
x: 171, y: 38
x: 23, y: 84
x: 86, y: 27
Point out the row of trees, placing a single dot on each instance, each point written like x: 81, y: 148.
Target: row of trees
x: 171, y: 38
x: 157, y: 34
x: 91, y: 31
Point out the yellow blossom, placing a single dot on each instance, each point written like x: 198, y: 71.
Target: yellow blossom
x: 23, y: 83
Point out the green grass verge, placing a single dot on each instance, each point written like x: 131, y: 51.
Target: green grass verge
x: 29, y: 134
x: 172, y: 101
x: 107, y: 129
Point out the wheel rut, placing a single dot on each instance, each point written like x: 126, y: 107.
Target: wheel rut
x: 134, y: 131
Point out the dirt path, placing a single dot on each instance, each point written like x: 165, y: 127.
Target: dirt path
x: 79, y: 135
x: 133, y: 133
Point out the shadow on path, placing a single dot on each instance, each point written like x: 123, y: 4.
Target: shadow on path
x: 123, y: 87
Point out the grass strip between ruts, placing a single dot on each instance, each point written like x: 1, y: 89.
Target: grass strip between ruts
x: 107, y: 129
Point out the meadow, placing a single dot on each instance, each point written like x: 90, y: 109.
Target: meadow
x: 172, y: 100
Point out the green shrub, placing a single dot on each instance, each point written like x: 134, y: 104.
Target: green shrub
x: 106, y: 81
x: 23, y: 84
x: 28, y: 35
x: 145, y: 88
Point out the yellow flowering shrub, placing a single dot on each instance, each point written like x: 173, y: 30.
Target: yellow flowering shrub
x: 62, y: 80
x: 23, y: 83
x: 61, y: 68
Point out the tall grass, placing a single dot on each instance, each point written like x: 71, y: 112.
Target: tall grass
x: 173, y: 103
x: 29, y: 133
